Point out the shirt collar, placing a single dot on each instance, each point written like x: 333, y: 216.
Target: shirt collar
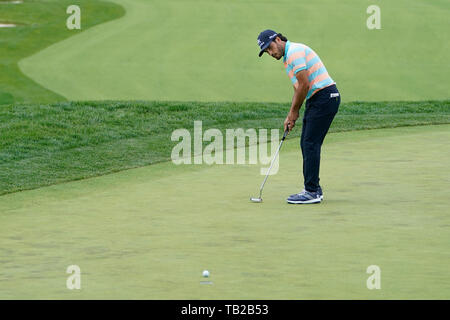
x: 286, y: 49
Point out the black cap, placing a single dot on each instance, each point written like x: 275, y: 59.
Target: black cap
x: 265, y: 38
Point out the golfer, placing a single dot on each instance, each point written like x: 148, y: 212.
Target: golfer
x: 311, y: 83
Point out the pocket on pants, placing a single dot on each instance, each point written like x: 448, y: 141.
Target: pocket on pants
x: 325, y: 105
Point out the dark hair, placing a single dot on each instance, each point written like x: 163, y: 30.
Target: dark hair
x: 283, y: 38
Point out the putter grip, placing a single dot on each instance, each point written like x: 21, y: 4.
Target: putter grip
x: 285, y: 134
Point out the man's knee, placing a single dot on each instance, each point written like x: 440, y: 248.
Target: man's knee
x: 311, y: 146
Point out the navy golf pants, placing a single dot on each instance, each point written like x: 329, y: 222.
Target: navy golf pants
x: 320, y: 110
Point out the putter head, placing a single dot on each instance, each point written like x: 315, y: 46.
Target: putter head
x: 258, y: 200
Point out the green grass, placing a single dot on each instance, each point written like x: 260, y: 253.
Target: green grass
x: 130, y: 241
x: 44, y: 144
x: 148, y: 233
x: 40, y: 24
x: 158, y: 51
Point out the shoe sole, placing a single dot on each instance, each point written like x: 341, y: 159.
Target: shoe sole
x: 305, y: 202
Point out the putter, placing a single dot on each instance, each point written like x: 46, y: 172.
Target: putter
x: 258, y: 200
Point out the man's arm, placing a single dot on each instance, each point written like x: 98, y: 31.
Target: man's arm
x: 300, y: 92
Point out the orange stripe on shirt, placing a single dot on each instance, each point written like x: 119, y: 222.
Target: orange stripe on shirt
x: 315, y: 67
x: 291, y: 74
x: 310, y: 56
x: 319, y: 78
x: 296, y: 55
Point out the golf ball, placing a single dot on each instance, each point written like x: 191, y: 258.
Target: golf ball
x: 206, y: 273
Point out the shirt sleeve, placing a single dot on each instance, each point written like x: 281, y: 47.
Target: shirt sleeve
x: 297, y: 60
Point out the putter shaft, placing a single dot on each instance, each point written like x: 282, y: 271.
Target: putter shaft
x: 271, y: 164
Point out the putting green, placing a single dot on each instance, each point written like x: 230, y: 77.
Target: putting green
x: 205, y: 50
x: 148, y: 233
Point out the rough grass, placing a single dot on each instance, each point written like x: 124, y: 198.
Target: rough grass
x: 44, y: 144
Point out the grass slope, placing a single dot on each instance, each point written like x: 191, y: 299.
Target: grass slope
x: 43, y: 144
x: 40, y: 24
x: 205, y: 50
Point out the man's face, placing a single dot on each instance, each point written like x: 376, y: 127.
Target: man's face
x: 275, y: 49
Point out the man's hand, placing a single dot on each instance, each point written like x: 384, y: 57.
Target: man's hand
x: 290, y: 120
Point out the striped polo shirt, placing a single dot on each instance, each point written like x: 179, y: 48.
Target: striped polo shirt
x: 297, y: 57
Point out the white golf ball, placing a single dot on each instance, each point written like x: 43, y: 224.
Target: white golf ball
x: 206, y: 273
